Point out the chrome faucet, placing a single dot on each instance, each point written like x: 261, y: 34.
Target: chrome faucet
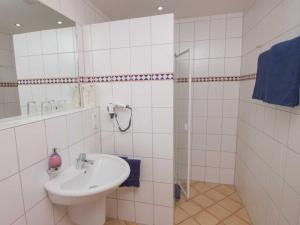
x: 81, y: 161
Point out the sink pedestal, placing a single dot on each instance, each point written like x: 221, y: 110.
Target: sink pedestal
x: 88, y: 214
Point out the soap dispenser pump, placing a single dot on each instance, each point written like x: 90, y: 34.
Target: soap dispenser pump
x: 54, y: 161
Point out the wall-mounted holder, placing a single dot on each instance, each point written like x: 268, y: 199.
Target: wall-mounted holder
x: 53, y: 171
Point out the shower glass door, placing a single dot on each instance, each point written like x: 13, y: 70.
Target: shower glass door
x: 182, y: 117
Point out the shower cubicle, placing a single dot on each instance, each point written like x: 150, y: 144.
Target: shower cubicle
x: 182, y: 122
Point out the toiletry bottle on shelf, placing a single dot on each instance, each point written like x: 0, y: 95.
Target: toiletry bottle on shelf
x: 54, y: 160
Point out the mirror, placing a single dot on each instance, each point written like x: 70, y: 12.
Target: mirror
x: 38, y: 60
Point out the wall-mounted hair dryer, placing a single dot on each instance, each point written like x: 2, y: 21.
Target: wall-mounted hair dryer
x: 113, y: 109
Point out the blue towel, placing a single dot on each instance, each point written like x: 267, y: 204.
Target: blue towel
x: 279, y: 74
x: 261, y: 76
x: 134, y: 177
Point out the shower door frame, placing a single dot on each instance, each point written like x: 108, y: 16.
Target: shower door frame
x: 189, y: 121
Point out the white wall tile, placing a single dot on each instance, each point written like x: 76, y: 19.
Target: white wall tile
x: 31, y: 143
x: 56, y: 131
x: 126, y: 210
x: 163, y: 194
x: 65, y: 39
x: 212, y: 158
x: 140, y: 31
x: 8, y: 166
x: 217, y: 28
x: 233, y: 47
x: 202, y: 30
x: 101, y: 63
x: 162, y: 58
x: 144, y: 213
x: 162, y: 120
x: 141, y: 60
x: 75, y: 128
x: 120, y: 61
x: 141, y: 94
x: 163, y: 146
x: 51, y: 67
x: 33, y: 182
x: 212, y: 174
x: 20, y: 45
x: 142, y: 144
x: 34, y: 41
x: 107, y: 142
x: 202, y: 49
x: 162, y: 29
x: 163, y: 215
x: 163, y: 170
x: 187, y: 32
x: 123, y: 143
x: 145, y: 192
x: 41, y: 214
x: 162, y: 94
x: 217, y: 48
x: 49, y: 41
x: 100, y: 36
x: 234, y: 27
x: 119, y: 34
x: 11, y: 206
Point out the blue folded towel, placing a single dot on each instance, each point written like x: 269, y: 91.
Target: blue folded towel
x: 134, y: 177
x: 261, y: 76
x: 278, y: 74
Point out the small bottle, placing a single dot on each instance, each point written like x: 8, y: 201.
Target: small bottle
x: 54, y: 160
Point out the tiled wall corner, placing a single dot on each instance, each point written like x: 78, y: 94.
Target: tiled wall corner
x: 215, y: 51
x: 268, y: 135
x: 139, y: 46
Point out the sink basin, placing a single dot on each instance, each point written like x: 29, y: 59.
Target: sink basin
x: 84, y: 190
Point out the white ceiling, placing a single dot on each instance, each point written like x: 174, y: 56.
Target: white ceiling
x: 123, y: 9
x: 33, y: 16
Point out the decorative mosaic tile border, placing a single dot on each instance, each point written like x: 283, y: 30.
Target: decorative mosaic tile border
x: 217, y: 79
x: 124, y: 78
x: 63, y: 80
x: 8, y: 84
x: 248, y: 77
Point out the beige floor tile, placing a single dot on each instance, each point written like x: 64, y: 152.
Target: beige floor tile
x: 214, y: 195
x: 201, y: 187
x: 190, y: 207
x: 203, y: 201
x: 193, y: 192
x: 225, y: 189
x: 131, y: 223
x: 229, y: 204
x: 180, y: 215
x: 234, y: 220
x: 212, y: 185
x: 242, y: 213
x: 190, y: 221
x: 193, y: 182
x: 181, y: 200
x: 235, y: 197
x: 114, y: 222
x: 204, y: 218
x: 219, y: 212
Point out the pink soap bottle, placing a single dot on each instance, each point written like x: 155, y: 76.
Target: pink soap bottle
x: 54, y: 160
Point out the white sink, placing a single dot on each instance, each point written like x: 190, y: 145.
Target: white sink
x: 84, y: 190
